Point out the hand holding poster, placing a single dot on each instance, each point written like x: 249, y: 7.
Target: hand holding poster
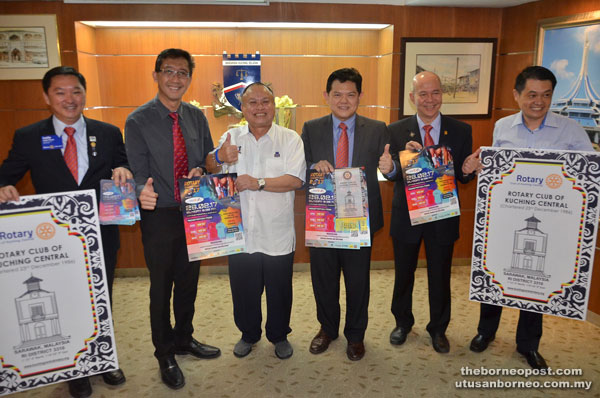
x: 56, y: 320
x: 337, y: 210
x: 118, y: 204
x: 212, y: 216
x: 430, y: 184
x: 535, y: 230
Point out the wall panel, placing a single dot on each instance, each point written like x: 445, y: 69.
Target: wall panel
x: 382, y: 75
x: 509, y: 66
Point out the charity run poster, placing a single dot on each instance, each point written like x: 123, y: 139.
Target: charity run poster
x: 337, y: 210
x: 212, y: 216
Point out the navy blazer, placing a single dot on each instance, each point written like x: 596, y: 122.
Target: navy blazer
x: 454, y: 134
x: 370, y: 138
x: 49, y: 172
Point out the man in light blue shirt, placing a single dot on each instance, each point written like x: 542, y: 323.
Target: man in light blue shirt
x: 538, y: 128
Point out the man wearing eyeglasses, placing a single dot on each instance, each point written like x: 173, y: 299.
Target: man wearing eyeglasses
x: 167, y: 139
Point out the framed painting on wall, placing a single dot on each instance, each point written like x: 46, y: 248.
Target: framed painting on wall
x: 465, y: 66
x: 28, y: 46
x: 570, y: 47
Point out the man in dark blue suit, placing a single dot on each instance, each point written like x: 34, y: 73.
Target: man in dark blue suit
x: 99, y: 154
x: 366, y: 139
x: 427, y: 127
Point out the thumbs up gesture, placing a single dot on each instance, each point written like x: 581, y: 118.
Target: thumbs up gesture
x: 148, y: 196
x: 386, y: 164
x: 228, y: 153
x: 472, y: 163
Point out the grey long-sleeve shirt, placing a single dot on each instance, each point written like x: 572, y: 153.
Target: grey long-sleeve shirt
x: 149, y: 145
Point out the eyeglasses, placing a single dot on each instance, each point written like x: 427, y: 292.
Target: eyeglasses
x: 179, y: 73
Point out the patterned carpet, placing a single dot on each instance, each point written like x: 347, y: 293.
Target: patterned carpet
x: 411, y: 370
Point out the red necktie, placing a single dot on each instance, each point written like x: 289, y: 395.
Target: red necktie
x: 71, y: 153
x: 428, y: 139
x: 341, y: 153
x: 180, y: 160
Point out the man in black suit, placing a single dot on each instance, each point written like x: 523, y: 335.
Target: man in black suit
x: 439, y: 236
x: 366, y: 140
x: 100, y: 154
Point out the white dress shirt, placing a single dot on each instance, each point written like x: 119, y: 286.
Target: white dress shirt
x: 80, y: 136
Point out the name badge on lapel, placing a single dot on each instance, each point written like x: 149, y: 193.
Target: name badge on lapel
x: 51, y: 142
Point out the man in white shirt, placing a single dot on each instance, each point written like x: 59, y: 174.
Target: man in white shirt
x: 269, y: 162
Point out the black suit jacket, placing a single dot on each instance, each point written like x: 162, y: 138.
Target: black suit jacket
x: 454, y: 134
x: 49, y: 172
x: 370, y: 138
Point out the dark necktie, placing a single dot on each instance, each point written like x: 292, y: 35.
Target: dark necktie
x: 180, y: 160
x: 428, y: 139
x: 71, y: 153
x: 341, y: 153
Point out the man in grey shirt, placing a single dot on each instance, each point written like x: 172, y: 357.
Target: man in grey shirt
x: 167, y: 139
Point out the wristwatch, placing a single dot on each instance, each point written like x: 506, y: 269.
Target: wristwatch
x: 261, y: 184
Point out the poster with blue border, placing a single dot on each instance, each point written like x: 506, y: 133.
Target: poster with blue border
x: 536, y: 220
x: 212, y: 216
x: 56, y: 317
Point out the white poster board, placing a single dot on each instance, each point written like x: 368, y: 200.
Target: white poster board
x: 54, y: 306
x: 535, y: 230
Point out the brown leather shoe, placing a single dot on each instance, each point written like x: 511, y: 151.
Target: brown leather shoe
x: 320, y: 343
x: 355, y: 351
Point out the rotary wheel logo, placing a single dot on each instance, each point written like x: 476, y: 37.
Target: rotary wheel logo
x: 554, y: 181
x: 347, y: 175
x: 45, y: 231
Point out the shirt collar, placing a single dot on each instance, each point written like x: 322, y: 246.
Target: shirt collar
x: 59, y: 126
x: 163, y: 111
x: 246, y: 130
x: 436, y: 124
x: 349, y: 123
x: 549, y: 120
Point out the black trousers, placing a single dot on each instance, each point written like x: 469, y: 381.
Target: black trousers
x: 439, y: 262
x: 529, y: 328
x: 249, y: 275
x: 110, y: 248
x: 165, y: 251
x: 326, y: 266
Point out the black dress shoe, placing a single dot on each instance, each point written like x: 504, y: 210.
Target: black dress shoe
x: 198, y: 350
x: 440, y: 343
x: 355, y: 351
x: 320, y: 342
x: 80, y: 388
x: 114, y: 377
x: 534, y: 359
x: 170, y: 373
x: 398, y: 335
x: 480, y: 343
